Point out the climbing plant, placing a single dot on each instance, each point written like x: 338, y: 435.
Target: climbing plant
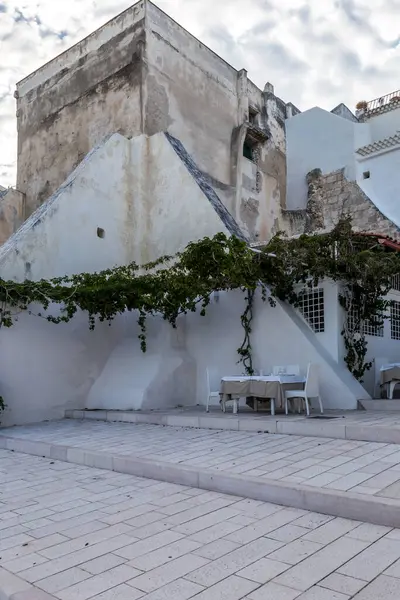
x: 175, y: 285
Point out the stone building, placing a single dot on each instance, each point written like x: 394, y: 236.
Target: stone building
x: 136, y: 141
x: 142, y: 73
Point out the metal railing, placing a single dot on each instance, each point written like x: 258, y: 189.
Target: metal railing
x: 392, y: 98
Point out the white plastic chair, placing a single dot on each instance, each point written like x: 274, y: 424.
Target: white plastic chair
x: 392, y: 385
x: 235, y: 404
x: 311, y: 390
x: 286, y: 370
x: 210, y: 394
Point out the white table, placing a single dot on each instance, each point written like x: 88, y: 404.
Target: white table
x: 261, y: 386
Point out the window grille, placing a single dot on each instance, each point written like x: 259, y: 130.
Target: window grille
x: 367, y: 327
x: 311, y: 306
x: 395, y: 321
x: 396, y: 282
x: 372, y: 328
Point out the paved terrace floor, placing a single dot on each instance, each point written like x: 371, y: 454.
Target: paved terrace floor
x: 71, y: 532
x: 370, y: 425
x: 354, y: 479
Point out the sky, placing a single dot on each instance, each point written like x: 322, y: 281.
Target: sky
x: 315, y: 52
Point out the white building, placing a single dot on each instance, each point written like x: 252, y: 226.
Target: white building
x: 133, y: 143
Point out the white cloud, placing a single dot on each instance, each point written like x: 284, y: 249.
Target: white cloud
x: 315, y: 52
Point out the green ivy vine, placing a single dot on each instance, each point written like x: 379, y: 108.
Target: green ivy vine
x: 175, y: 285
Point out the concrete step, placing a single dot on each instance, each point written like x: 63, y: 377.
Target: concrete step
x: 368, y: 426
x: 381, y: 405
x: 124, y: 448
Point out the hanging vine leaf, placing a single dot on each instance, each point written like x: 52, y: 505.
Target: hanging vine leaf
x: 175, y: 285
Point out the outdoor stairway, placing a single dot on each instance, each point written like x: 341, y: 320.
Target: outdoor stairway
x: 331, y: 475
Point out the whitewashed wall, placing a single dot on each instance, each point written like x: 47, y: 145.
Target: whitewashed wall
x: 383, y: 185
x: 280, y: 336
x: 147, y: 203
x: 381, y: 349
x: 142, y: 196
x: 317, y: 139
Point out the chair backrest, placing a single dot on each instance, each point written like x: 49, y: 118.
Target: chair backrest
x: 212, y: 380
x: 312, y: 385
x: 286, y: 370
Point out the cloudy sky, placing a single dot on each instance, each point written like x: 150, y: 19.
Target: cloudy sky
x: 315, y: 52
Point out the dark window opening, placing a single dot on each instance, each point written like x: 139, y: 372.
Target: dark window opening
x: 247, y: 150
x: 100, y: 232
x: 366, y: 175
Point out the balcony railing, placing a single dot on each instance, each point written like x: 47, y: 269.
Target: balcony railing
x: 389, y: 99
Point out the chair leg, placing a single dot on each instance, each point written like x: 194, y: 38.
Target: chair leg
x: 235, y: 405
x: 392, y: 385
x: 273, y: 407
x: 307, y: 406
x: 320, y: 405
x: 286, y: 406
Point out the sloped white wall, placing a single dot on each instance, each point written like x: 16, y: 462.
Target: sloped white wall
x: 140, y: 193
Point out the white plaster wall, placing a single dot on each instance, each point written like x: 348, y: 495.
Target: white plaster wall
x: 280, y: 336
x: 317, y: 139
x: 384, y: 125
x: 333, y: 324
x: 380, y: 350
x: 134, y: 190
x: 383, y: 186
x: 141, y: 194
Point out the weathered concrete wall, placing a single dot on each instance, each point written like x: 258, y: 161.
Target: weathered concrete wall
x: 69, y: 105
x: 12, y: 210
x: 260, y: 182
x: 142, y: 72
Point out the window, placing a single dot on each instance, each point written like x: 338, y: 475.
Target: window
x: 367, y: 327
x: 311, y: 306
x: 395, y: 321
x: 366, y: 175
x: 396, y: 283
x: 247, y: 150
x: 372, y: 328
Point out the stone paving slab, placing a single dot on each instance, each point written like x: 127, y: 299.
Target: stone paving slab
x: 370, y: 425
x: 71, y: 532
x: 351, y: 479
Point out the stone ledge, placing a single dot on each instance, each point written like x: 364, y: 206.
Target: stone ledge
x: 376, y: 510
x: 335, y: 428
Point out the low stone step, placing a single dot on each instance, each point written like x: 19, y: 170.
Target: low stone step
x: 350, y: 425
x: 46, y: 440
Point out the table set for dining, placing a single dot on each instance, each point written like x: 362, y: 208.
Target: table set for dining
x: 259, y: 388
x: 390, y: 377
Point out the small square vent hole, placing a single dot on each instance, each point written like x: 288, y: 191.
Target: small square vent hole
x: 101, y: 233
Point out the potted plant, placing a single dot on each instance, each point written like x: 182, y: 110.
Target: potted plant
x: 362, y: 105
